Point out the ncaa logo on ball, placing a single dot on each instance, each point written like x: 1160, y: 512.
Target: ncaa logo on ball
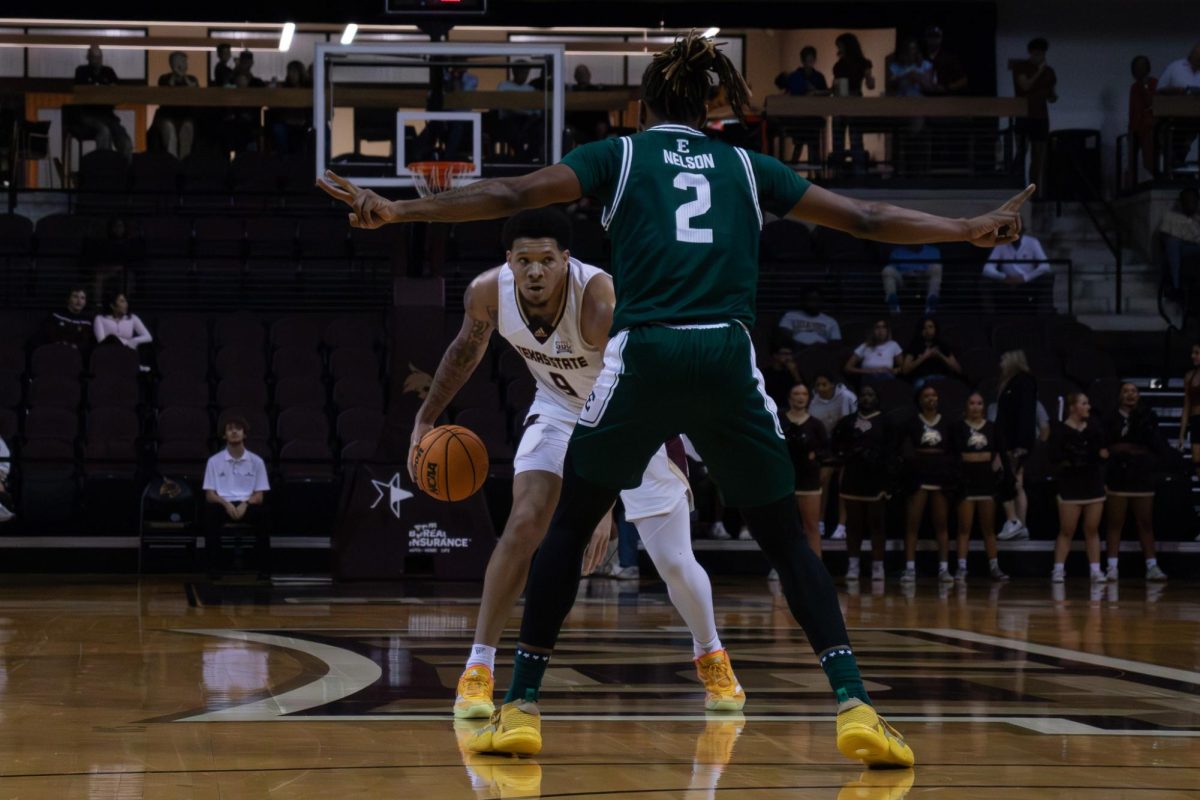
x: 431, y: 478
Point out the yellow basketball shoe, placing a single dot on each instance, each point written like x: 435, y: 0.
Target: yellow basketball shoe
x: 474, y: 698
x: 515, y: 728
x: 715, y: 744
x: 864, y: 735
x: 722, y: 692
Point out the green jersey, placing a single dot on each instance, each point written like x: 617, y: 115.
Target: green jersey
x: 684, y: 213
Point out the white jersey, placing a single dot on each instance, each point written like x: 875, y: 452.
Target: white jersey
x: 564, y: 366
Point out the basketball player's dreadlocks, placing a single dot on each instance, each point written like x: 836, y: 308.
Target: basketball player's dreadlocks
x: 676, y: 85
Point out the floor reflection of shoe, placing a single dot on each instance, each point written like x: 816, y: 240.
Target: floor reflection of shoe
x: 908, y: 576
x: 879, y: 784
x: 852, y: 573
x: 944, y: 576
x: 838, y: 533
x: 515, y: 728
x: 1057, y: 577
x: 722, y: 692
x: 715, y: 743
x: 773, y: 575
x: 474, y: 697
x: 877, y: 573
x: 998, y: 574
x: 517, y: 779
x: 744, y: 534
x: 864, y: 735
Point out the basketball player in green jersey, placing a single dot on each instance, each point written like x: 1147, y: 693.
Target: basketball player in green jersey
x: 684, y: 214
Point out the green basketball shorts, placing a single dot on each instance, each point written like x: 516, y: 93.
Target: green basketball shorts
x: 659, y: 381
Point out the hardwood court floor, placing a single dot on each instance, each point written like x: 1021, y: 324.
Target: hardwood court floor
x: 114, y: 689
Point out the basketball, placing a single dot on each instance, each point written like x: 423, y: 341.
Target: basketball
x: 450, y: 463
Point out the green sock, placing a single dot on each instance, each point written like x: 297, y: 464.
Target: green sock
x: 528, y: 670
x: 842, y: 670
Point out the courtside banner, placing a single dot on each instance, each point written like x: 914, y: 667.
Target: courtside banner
x: 384, y: 519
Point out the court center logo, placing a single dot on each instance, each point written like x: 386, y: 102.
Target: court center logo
x: 396, y: 494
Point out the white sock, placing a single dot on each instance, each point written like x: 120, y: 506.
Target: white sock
x: 668, y: 541
x: 1060, y: 567
x: 854, y: 563
x: 482, y: 655
x: 993, y: 563
x: 1095, y: 565
x: 704, y: 648
x: 910, y: 565
x: 943, y: 566
x: 962, y: 565
x: 1112, y: 563
x: 1151, y: 563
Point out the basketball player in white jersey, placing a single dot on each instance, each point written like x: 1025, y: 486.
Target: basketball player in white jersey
x: 556, y: 312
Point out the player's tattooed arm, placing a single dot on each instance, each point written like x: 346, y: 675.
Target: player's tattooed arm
x: 466, y: 351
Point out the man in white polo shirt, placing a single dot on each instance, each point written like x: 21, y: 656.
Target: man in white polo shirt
x: 1181, y: 77
x: 235, y: 481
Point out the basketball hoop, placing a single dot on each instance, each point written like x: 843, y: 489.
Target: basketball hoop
x: 433, y: 177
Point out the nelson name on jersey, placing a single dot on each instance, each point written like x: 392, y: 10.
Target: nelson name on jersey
x: 700, y: 161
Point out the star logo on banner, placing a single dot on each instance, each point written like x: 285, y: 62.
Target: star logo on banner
x: 395, y: 494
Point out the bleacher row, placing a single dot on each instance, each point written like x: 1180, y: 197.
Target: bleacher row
x: 311, y: 388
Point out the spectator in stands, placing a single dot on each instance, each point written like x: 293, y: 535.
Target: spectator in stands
x: 1036, y: 81
x: 913, y: 261
x: 222, y: 72
x: 587, y: 126
x: 73, y: 325
x: 1016, y: 427
x: 1182, y: 77
x: 97, y: 123
x: 6, y: 500
x: 235, y: 481
x: 810, y: 325
x: 808, y: 445
x: 928, y: 357
x: 851, y: 72
x: 781, y: 374
x: 1180, y: 232
x: 1138, y: 453
x: 949, y: 76
x: 521, y: 129
x: 807, y: 79
x: 930, y: 467
x: 243, y: 72
x: 831, y: 401
x: 120, y: 327
x: 176, y: 126
x: 909, y: 74
x: 878, y: 358
x: 807, y: 131
x: 289, y: 127
x: 1077, y: 454
x: 864, y: 444
x: 1013, y: 265
x: 1141, y: 117
x: 1189, y: 421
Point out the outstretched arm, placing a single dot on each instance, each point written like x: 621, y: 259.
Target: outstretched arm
x: 462, y: 356
x: 884, y: 222
x: 486, y: 199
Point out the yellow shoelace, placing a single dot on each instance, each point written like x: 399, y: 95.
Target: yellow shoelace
x: 718, y: 673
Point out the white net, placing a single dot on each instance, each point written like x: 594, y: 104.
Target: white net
x: 432, y: 177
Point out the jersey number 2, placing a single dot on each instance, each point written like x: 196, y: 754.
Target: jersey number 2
x: 684, y: 215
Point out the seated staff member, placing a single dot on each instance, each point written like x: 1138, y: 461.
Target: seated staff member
x: 931, y: 474
x: 807, y: 443
x: 1137, y: 453
x: 235, y: 481
x: 974, y: 439
x: 1077, y: 456
x: 863, y: 443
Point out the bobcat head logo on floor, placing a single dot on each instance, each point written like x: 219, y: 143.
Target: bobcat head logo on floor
x: 417, y: 381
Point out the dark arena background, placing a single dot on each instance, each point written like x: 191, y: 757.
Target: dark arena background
x: 220, y: 580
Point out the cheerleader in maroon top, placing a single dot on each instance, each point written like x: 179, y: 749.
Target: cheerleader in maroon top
x: 1077, y: 456
x: 931, y: 464
x: 808, y: 444
x: 974, y: 439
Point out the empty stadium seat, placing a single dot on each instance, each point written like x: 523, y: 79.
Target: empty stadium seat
x: 296, y: 362
x: 56, y: 359
x: 182, y: 391
x: 113, y: 360
x: 359, y: 424
x: 240, y: 391
x: 297, y: 331
x: 240, y: 361
x: 183, y: 362
x: 51, y: 423
x: 299, y: 392
x: 54, y: 391
x: 113, y: 391
x: 242, y: 329
x: 358, y: 392
x: 302, y: 423
x: 306, y: 460
x: 353, y: 362
x: 183, y: 423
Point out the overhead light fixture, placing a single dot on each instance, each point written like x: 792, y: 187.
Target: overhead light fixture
x: 350, y: 32
x: 285, y: 38
x: 710, y: 32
